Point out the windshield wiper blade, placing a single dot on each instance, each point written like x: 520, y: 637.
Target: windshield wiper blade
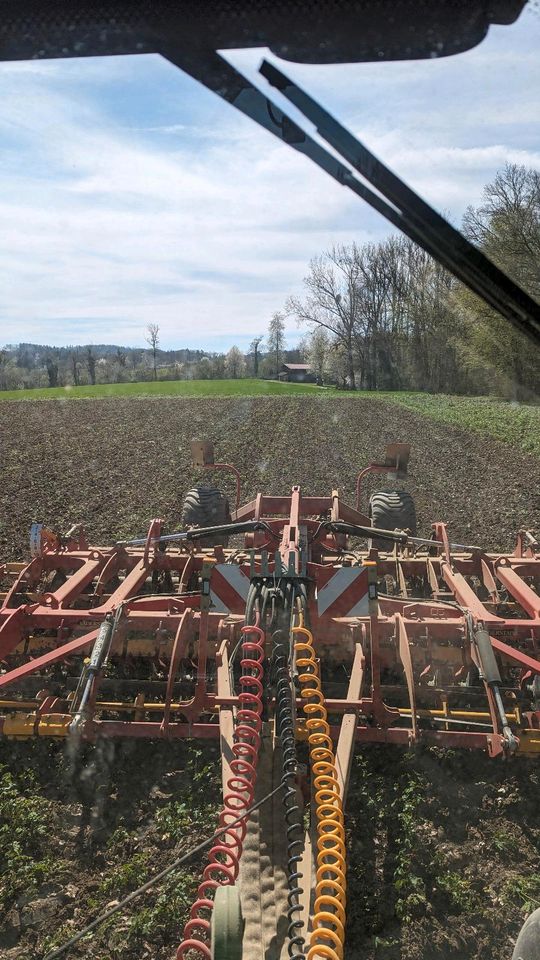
x: 218, y: 75
x: 406, y: 210
x: 438, y: 237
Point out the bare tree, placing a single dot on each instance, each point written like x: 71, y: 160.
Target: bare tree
x: 338, y: 365
x: 91, y: 365
x: 276, y: 339
x: 5, y: 359
x: 204, y: 369
x: 75, y: 363
x: 218, y: 366
x: 507, y: 226
x: 120, y: 360
x: 52, y: 371
x: 152, y: 340
x: 387, y: 306
x: 507, y: 223
x: 254, y: 347
x: 317, y: 350
x: 234, y: 363
x: 332, y: 300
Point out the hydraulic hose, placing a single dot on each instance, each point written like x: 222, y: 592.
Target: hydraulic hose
x: 224, y: 857
x: 328, y: 925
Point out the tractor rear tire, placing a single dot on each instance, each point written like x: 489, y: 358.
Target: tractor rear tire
x: 206, y: 506
x: 391, y: 510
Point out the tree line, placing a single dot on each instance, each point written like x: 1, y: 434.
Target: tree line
x: 28, y: 365
x: 386, y: 316
x: 376, y: 316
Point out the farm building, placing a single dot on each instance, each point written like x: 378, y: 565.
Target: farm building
x: 297, y: 373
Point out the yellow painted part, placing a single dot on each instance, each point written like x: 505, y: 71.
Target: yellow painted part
x: 529, y: 741
x: 23, y: 725
x: 100, y: 705
x: 301, y: 730
x: 54, y: 725
x: 462, y: 714
x: 328, y: 926
x: 19, y: 725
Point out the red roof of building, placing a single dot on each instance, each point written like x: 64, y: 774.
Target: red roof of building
x: 297, y: 366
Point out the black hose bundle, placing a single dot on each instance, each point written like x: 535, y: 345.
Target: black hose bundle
x: 293, y: 813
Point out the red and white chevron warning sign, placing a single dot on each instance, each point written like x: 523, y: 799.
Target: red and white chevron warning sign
x: 228, y: 588
x: 345, y: 594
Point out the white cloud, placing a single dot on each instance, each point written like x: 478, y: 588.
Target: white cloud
x: 118, y: 208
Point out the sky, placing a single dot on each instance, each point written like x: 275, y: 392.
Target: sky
x: 129, y: 194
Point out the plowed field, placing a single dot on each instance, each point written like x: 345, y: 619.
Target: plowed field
x: 444, y: 848
x: 115, y: 464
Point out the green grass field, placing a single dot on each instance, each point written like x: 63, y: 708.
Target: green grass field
x: 513, y: 423
x: 169, y: 388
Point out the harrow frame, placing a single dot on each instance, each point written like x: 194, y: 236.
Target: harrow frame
x: 474, y: 613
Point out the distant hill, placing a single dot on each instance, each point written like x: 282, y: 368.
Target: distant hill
x: 36, y: 353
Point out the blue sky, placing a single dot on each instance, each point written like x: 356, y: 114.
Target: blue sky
x: 129, y: 194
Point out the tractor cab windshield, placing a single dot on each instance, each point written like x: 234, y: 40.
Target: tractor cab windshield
x: 269, y: 474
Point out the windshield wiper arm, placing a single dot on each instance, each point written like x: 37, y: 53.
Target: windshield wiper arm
x: 398, y: 203
x: 438, y: 237
x: 215, y: 73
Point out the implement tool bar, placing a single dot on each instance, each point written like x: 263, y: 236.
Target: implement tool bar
x: 201, y: 532
x: 396, y: 536
x: 336, y: 526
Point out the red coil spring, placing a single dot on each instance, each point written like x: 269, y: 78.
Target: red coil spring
x: 224, y: 857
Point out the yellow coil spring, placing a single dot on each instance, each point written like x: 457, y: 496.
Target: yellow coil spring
x: 328, y: 925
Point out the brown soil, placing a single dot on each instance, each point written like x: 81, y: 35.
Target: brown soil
x: 444, y: 847
x: 115, y: 464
